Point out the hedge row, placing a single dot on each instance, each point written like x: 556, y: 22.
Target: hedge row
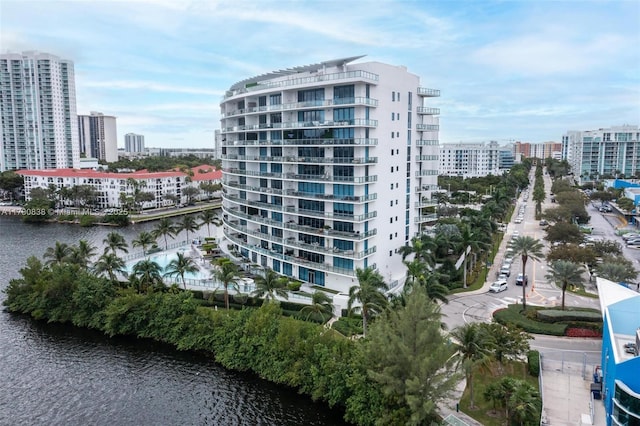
x: 513, y: 315
x: 533, y: 363
x: 557, y: 315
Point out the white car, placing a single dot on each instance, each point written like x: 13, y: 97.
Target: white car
x: 498, y: 286
x: 518, y: 220
x: 515, y: 234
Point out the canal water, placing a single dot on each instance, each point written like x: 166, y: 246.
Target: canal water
x: 58, y: 375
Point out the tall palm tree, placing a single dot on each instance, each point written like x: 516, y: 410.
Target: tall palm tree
x: 228, y: 274
x: 209, y: 217
x: 435, y: 290
x: 165, y: 228
x: 468, y: 240
x: 369, y: 293
x: 423, y: 247
x: 148, y: 272
x: 82, y: 253
x: 110, y: 264
x: 144, y: 240
x: 526, y: 247
x: 188, y: 224
x: 270, y: 286
x: 321, y: 304
x: 57, y: 254
x: 564, y: 272
x: 474, y: 348
x: 523, y: 403
x: 179, y: 266
x: 114, y: 242
x: 418, y: 275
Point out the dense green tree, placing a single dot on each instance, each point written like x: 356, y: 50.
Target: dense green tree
x: 179, y: 266
x: 190, y: 192
x: 573, y: 253
x: 228, y: 274
x: 508, y: 341
x: 524, y: 404
x: 421, y: 247
x: 473, y: 345
x: 270, y: 286
x: 369, y: 293
x: 527, y: 248
x: 607, y: 247
x: 165, y: 228
x: 411, y: 360
x: 82, y: 253
x: 37, y: 210
x: 625, y: 204
x: 564, y: 273
x: 469, y: 240
x: 563, y: 232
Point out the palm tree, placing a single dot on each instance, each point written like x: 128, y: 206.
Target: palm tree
x: 270, y: 286
x: 422, y: 247
x: 148, y: 272
x: 616, y: 272
x: 114, y: 242
x: 227, y: 273
x: 188, y: 224
x: 468, y: 240
x: 523, y: 403
x: 526, y: 247
x: 144, y: 240
x: 209, y: 217
x: 57, y: 254
x: 179, y: 266
x: 369, y: 293
x: 474, y: 348
x: 110, y: 263
x: 321, y: 304
x: 435, y: 290
x: 418, y: 275
x: 164, y: 228
x: 564, y: 272
x: 82, y: 253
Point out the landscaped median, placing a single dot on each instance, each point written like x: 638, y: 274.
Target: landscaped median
x: 572, y: 322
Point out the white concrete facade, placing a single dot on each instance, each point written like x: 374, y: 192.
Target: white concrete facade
x: 607, y: 152
x: 470, y: 159
x: 39, y: 125
x: 328, y: 168
x: 98, y: 136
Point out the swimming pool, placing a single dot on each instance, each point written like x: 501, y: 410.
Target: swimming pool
x: 163, y: 259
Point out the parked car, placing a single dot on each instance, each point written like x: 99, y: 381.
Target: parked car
x: 516, y: 233
x: 518, y: 220
x: 520, y: 279
x: 630, y: 236
x: 502, y: 277
x: 544, y: 223
x: 634, y: 243
x: 498, y: 286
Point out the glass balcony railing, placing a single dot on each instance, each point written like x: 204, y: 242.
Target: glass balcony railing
x: 330, y: 215
x: 427, y: 203
x: 252, y: 188
x: 302, y: 105
x: 359, y: 122
x: 293, y: 176
x: 269, y: 84
x: 294, y: 159
x: 427, y: 127
x: 431, y: 93
x: 302, y: 142
x: 355, y: 198
x: 426, y: 218
x: 424, y: 188
x: 428, y: 111
x: 427, y: 158
x: 420, y: 173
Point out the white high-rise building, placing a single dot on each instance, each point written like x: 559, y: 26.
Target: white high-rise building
x: 133, y: 143
x: 470, y: 159
x: 607, y: 152
x: 327, y: 168
x: 98, y: 136
x: 38, y: 123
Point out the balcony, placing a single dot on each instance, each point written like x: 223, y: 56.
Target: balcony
x: 428, y: 111
x: 359, y: 122
x: 427, y: 127
x: 253, y: 188
x: 424, y: 188
x: 254, y: 203
x: 294, y: 159
x: 329, y: 197
x: 303, y: 105
x: 428, y: 93
x: 330, y: 215
x: 345, y: 235
x: 303, y: 142
x: 334, y: 77
x: 426, y: 203
x: 427, y: 157
x: 420, y: 173
x: 426, y: 218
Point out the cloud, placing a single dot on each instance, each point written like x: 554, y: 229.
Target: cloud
x: 151, y: 86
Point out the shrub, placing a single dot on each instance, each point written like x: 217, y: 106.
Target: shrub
x: 348, y: 326
x: 294, y: 285
x: 557, y: 315
x: 533, y: 363
x: 513, y: 315
x: 87, y: 220
x: 582, y: 332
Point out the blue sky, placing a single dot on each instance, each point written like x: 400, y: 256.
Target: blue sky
x: 508, y: 70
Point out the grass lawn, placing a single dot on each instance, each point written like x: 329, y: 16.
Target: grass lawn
x: 484, y: 411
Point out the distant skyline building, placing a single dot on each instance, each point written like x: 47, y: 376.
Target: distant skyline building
x: 38, y: 125
x: 328, y: 168
x: 134, y: 143
x: 470, y: 159
x: 604, y: 153
x: 98, y: 136
x: 540, y: 150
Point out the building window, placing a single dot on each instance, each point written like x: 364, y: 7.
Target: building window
x: 390, y: 220
x: 393, y: 96
x: 390, y: 253
x: 392, y: 186
x: 392, y: 135
x: 391, y: 236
